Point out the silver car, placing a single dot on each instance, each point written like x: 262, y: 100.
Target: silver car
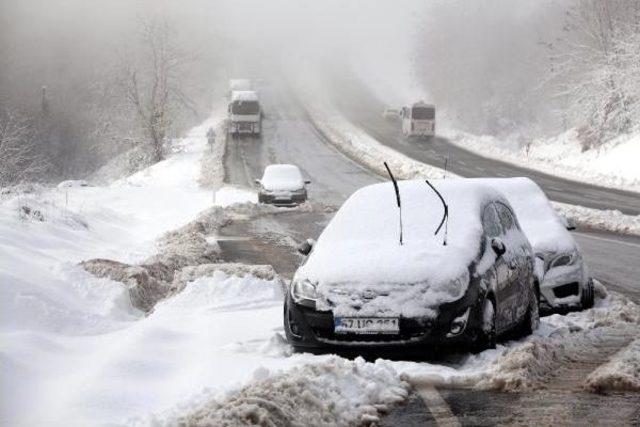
x: 282, y: 185
x: 562, y: 273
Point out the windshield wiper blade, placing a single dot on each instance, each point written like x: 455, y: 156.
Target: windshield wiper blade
x: 445, y: 215
x: 398, y: 201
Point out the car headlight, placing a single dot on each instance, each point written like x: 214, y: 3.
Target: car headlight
x: 563, y: 260
x: 304, y: 292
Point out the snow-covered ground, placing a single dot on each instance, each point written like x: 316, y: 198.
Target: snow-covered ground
x: 614, y: 164
x: 74, y: 351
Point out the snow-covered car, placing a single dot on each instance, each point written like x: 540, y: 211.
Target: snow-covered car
x: 463, y: 278
x: 562, y: 273
x: 282, y: 185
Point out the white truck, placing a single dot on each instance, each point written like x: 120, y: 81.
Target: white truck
x: 245, y: 114
x: 419, y: 120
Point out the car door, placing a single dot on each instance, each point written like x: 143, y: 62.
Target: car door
x: 503, y: 292
x: 518, y: 259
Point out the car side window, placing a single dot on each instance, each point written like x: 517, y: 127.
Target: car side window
x: 491, y: 222
x: 506, y: 217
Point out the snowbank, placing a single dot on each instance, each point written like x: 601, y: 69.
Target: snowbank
x: 333, y: 392
x: 62, y: 329
x: 610, y: 220
x: 362, y: 148
x: 621, y: 373
x: 612, y: 165
x: 531, y: 362
x: 231, y: 195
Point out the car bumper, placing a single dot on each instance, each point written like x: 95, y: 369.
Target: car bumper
x: 308, y: 328
x: 245, y: 128
x: 562, y: 287
x: 291, y: 199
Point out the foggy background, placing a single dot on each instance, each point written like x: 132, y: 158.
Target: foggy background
x: 496, y: 67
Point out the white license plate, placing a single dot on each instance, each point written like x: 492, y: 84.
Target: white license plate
x: 366, y: 325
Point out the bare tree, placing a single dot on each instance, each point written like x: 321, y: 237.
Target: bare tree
x: 19, y: 159
x: 593, y: 67
x: 152, y: 82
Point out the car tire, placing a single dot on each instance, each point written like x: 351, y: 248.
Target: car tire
x: 587, y: 299
x: 531, y: 320
x: 487, y: 334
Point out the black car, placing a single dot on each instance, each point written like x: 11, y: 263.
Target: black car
x: 451, y: 267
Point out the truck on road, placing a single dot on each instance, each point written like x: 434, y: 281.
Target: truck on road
x: 419, y: 120
x: 245, y: 114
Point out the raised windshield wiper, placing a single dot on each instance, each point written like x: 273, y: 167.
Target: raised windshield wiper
x: 395, y: 185
x: 445, y: 215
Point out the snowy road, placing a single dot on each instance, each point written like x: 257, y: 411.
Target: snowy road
x: 290, y: 137
x: 364, y: 110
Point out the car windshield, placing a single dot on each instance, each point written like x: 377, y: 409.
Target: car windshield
x: 423, y: 113
x: 245, y: 107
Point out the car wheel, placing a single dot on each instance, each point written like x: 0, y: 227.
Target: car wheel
x: 587, y: 298
x: 532, y: 318
x: 487, y: 332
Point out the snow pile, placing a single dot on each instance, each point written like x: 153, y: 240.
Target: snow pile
x: 282, y: 178
x: 621, y: 373
x: 614, y: 164
x: 334, y: 392
x: 212, y: 162
x: 610, y: 220
x: 231, y: 195
x: 531, y: 362
x: 364, y: 149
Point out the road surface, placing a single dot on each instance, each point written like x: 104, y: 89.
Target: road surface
x: 289, y: 137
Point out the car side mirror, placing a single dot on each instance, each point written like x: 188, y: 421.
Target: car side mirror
x: 498, y: 247
x: 257, y: 181
x: 568, y: 223
x: 305, y: 247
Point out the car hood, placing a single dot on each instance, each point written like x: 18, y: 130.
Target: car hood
x: 410, y: 281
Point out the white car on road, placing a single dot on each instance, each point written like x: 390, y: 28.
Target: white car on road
x: 282, y: 185
x: 563, y: 275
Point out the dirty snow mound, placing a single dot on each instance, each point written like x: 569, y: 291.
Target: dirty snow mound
x: 230, y: 195
x: 621, y: 373
x: 336, y: 392
x: 609, y: 220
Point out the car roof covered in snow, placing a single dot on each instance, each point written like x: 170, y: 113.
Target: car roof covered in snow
x: 423, y: 104
x: 282, y: 177
x: 361, y: 243
x: 536, y: 216
x: 244, y: 95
